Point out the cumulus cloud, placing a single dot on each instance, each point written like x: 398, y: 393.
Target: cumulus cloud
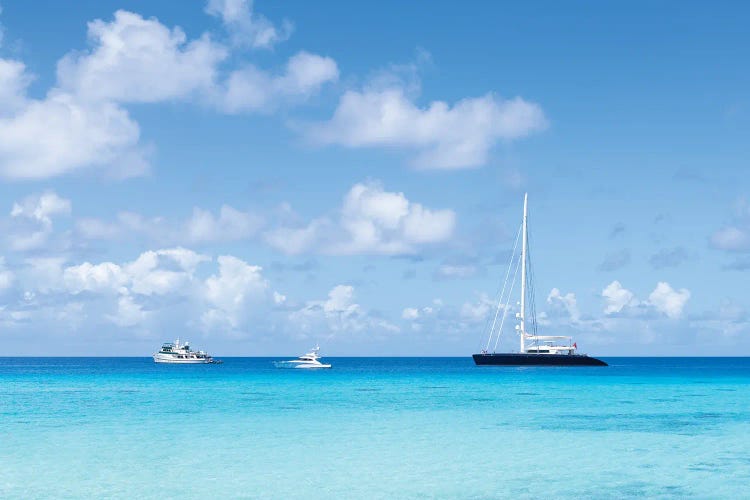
x: 567, y: 302
x: 228, y: 293
x: 154, y: 272
x: 338, y: 313
x: 203, y: 226
x: 410, y: 313
x: 278, y: 298
x: 371, y: 220
x: 133, y: 59
x: 247, y: 27
x: 452, y: 320
x: 33, y: 220
x: 476, y: 312
x: 41, y: 207
x: 252, y: 89
x: 43, y: 274
x: 668, y: 300
x: 81, y: 123
x: 136, y: 290
x: 443, y: 136
x: 663, y: 300
x: 128, y: 313
x: 13, y: 83
x: 42, y: 138
x: 617, y: 298
x: 230, y: 225
x: 106, y: 276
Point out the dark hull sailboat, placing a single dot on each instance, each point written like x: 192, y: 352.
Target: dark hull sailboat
x: 528, y: 359
x: 536, y: 350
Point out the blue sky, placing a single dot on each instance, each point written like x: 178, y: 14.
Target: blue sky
x: 259, y: 177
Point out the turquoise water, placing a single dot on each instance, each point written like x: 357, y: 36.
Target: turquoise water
x: 374, y: 428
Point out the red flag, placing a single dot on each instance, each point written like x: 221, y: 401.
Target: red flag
x: 575, y: 345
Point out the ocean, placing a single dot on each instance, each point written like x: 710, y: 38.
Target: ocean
x: 374, y: 428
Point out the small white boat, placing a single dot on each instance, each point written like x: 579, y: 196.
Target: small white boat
x: 181, y: 354
x: 308, y: 360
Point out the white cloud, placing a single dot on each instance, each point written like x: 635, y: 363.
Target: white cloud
x: 230, y: 225
x: 58, y: 134
x: 41, y: 207
x: 203, y: 226
x: 296, y: 240
x: 246, y: 26
x: 164, y: 279
x: 278, y: 298
x: 444, y: 136
x: 44, y: 274
x: 478, y: 311
x: 149, y: 275
x: 187, y: 259
x: 13, y: 83
x: 371, y: 220
x: 228, y: 293
x: 617, y: 298
x: 252, y: 89
x: 154, y: 272
x: 34, y: 215
x: 567, y: 302
x: 139, y: 60
x: 410, y: 313
x: 337, y: 313
x: 668, y: 300
x: 664, y: 299
x: 106, y: 276
x: 81, y: 124
x: 341, y: 301
x: 129, y: 313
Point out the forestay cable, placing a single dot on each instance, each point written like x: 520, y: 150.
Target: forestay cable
x: 502, y: 293
x: 507, y: 303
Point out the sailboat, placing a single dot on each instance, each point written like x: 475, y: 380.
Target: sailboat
x: 540, y: 350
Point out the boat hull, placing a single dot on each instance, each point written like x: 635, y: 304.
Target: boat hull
x: 528, y: 359
x: 300, y: 366
x: 172, y: 361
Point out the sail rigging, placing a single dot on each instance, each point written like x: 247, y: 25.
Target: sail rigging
x: 527, y: 327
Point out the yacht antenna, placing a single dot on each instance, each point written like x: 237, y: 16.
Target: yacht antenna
x: 523, y: 273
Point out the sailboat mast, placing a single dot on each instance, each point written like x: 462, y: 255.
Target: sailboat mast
x: 523, y: 273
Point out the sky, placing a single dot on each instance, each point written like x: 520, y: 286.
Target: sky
x: 259, y: 177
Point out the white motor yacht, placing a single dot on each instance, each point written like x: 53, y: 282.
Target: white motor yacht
x: 181, y: 354
x: 308, y: 360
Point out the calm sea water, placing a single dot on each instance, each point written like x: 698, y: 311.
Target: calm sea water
x: 374, y: 428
